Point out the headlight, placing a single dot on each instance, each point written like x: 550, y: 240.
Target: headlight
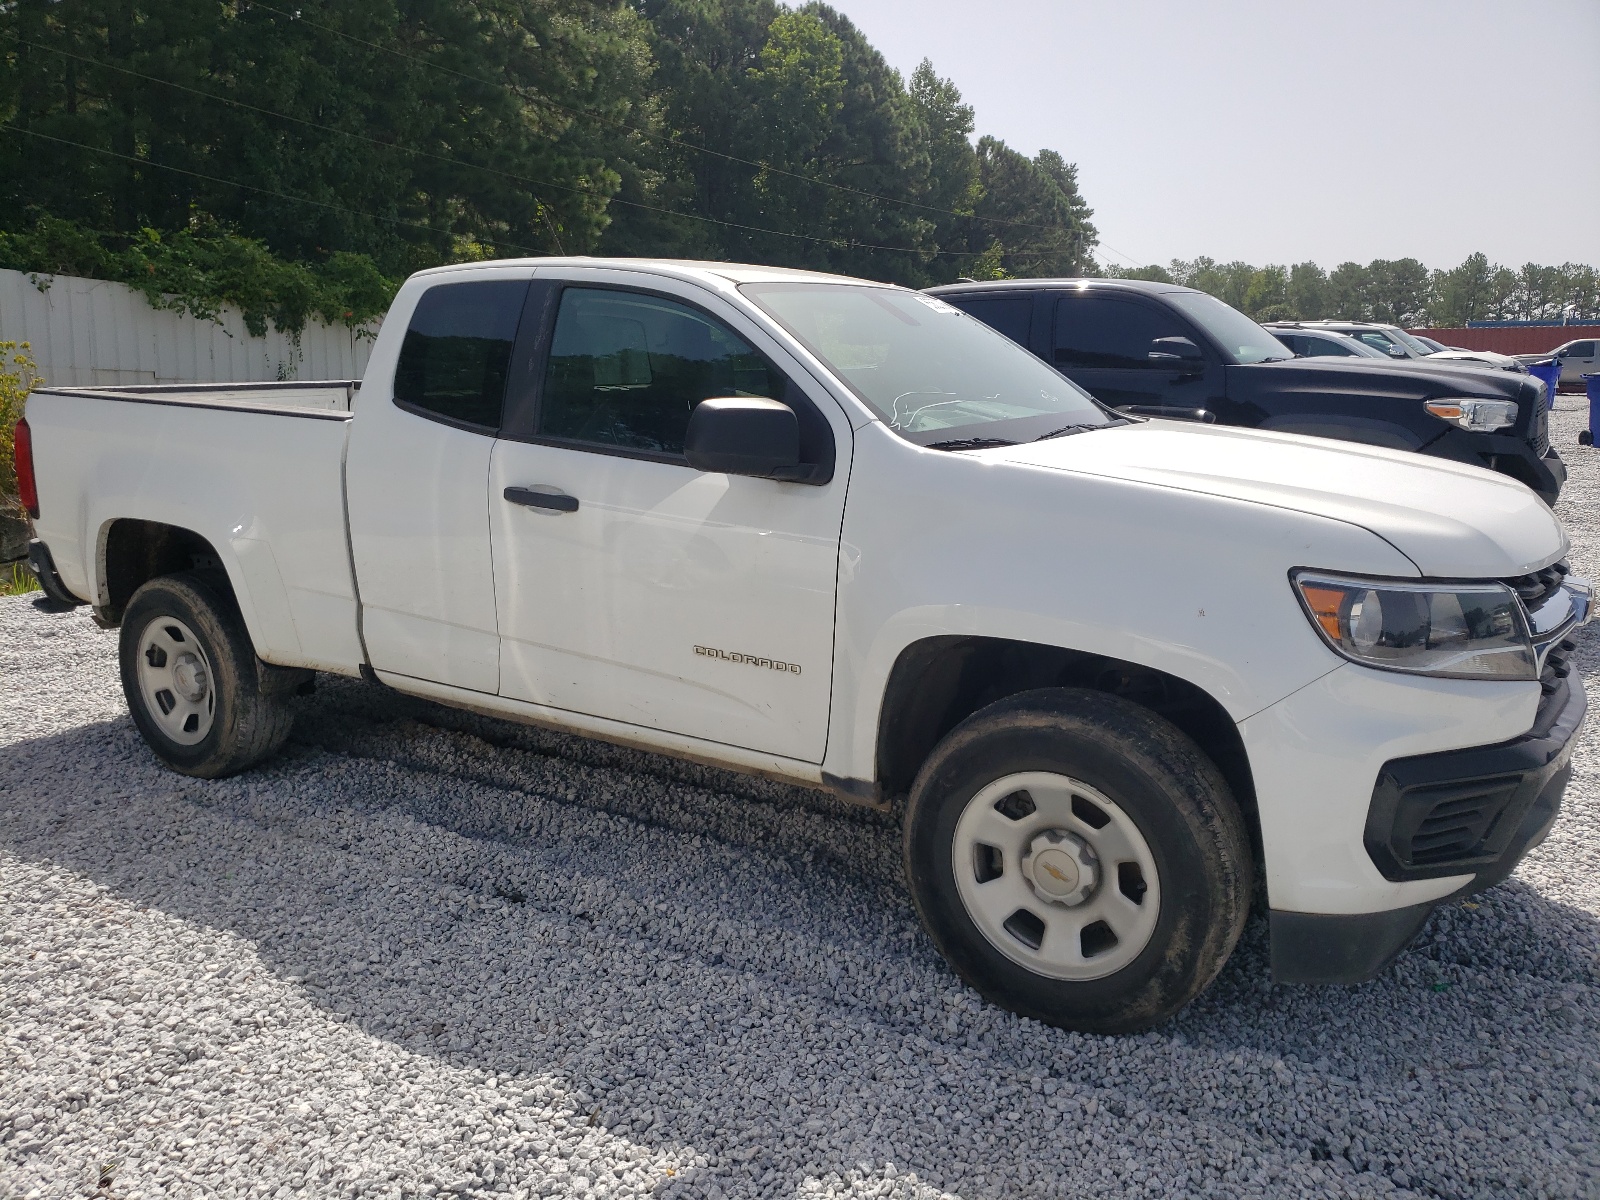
x: 1480, y: 416
x: 1458, y: 631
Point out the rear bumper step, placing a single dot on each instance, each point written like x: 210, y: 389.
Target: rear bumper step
x: 43, y: 567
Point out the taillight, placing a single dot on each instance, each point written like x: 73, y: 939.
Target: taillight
x: 27, y: 486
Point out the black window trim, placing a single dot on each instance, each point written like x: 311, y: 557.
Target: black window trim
x: 428, y: 414
x: 522, y: 425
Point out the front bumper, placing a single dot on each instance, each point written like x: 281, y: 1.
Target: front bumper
x: 1474, y: 812
x: 1528, y: 458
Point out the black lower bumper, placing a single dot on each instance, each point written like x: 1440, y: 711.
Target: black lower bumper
x: 43, y: 567
x: 1470, y: 812
x: 1531, y: 460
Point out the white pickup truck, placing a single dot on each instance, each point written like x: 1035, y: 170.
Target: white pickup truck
x: 843, y: 534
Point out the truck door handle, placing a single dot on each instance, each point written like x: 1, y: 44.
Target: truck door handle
x: 554, y: 501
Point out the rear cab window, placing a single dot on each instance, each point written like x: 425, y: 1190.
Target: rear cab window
x: 457, y: 352
x: 1010, y: 315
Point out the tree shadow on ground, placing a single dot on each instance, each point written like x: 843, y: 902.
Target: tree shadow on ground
x: 463, y: 888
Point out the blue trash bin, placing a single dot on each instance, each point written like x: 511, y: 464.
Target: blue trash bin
x: 1592, y: 383
x: 1550, y: 371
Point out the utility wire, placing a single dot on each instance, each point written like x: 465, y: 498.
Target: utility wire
x: 837, y: 243
x: 523, y: 179
x: 249, y: 187
x: 583, y: 112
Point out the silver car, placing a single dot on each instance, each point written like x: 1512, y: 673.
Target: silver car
x: 1321, y: 343
x: 1578, y: 358
x: 1396, y: 343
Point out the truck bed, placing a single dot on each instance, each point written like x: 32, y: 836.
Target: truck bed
x: 257, y: 469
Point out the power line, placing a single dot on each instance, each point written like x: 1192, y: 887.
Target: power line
x: 837, y: 243
x: 249, y: 187
x: 583, y: 112
x: 531, y: 182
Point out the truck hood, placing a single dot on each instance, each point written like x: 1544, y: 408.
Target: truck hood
x: 1453, y: 521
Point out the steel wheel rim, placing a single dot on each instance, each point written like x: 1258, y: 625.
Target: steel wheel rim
x: 1038, y: 825
x: 176, y: 680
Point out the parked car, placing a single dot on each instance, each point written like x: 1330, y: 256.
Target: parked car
x: 842, y: 534
x: 1578, y: 358
x: 1481, y: 358
x: 1401, y: 346
x: 1162, y: 350
x: 1389, y: 339
x: 1433, y: 345
x: 1322, y: 343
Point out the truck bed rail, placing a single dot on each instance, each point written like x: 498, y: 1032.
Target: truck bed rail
x: 323, y: 399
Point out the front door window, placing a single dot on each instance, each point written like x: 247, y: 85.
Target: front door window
x: 626, y: 370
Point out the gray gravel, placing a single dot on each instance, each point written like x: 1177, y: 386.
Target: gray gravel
x: 426, y: 953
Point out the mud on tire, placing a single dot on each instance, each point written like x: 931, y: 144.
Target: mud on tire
x: 198, y: 694
x: 1081, y: 806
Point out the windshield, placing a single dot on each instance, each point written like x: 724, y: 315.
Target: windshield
x: 1411, y: 343
x: 933, y: 374
x: 1237, y: 334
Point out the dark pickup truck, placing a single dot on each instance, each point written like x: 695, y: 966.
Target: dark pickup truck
x: 1159, y: 350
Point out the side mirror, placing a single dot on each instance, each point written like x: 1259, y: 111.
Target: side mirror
x: 1177, y: 352
x: 745, y: 435
x: 1397, y: 351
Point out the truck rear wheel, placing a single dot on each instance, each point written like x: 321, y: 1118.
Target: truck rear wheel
x: 199, y: 696
x: 1078, y: 860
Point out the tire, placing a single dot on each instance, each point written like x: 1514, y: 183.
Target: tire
x: 200, y: 697
x: 1113, y: 835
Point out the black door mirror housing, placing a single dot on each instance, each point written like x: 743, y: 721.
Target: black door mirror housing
x: 745, y: 435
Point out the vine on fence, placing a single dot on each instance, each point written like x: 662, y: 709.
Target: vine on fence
x: 199, y: 271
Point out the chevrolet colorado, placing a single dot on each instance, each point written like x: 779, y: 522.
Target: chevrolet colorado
x: 843, y: 534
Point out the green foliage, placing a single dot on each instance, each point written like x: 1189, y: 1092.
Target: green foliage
x: 1398, y: 291
x: 1151, y: 274
x: 200, y: 272
x: 826, y: 157
x: 17, y: 580
x: 359, y: 125
x: 991, y: 264
x: 298, y: 157
x: 18, y: 377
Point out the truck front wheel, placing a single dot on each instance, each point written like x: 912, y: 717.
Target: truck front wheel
x: 199, y: 696
x: 1078, y: 860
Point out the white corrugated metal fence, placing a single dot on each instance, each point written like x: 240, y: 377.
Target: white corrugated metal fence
x: 89, y: 331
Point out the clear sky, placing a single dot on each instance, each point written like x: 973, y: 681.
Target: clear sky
x: 1281, y: 132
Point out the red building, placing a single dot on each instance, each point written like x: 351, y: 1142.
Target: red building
x: 1511, y: 338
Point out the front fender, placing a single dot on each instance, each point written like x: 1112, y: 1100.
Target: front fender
x: 1192, y: 585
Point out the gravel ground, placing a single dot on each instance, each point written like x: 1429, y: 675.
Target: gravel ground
x: 427, y: 953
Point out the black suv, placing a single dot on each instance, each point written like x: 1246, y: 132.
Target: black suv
x: 1155, y: 349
